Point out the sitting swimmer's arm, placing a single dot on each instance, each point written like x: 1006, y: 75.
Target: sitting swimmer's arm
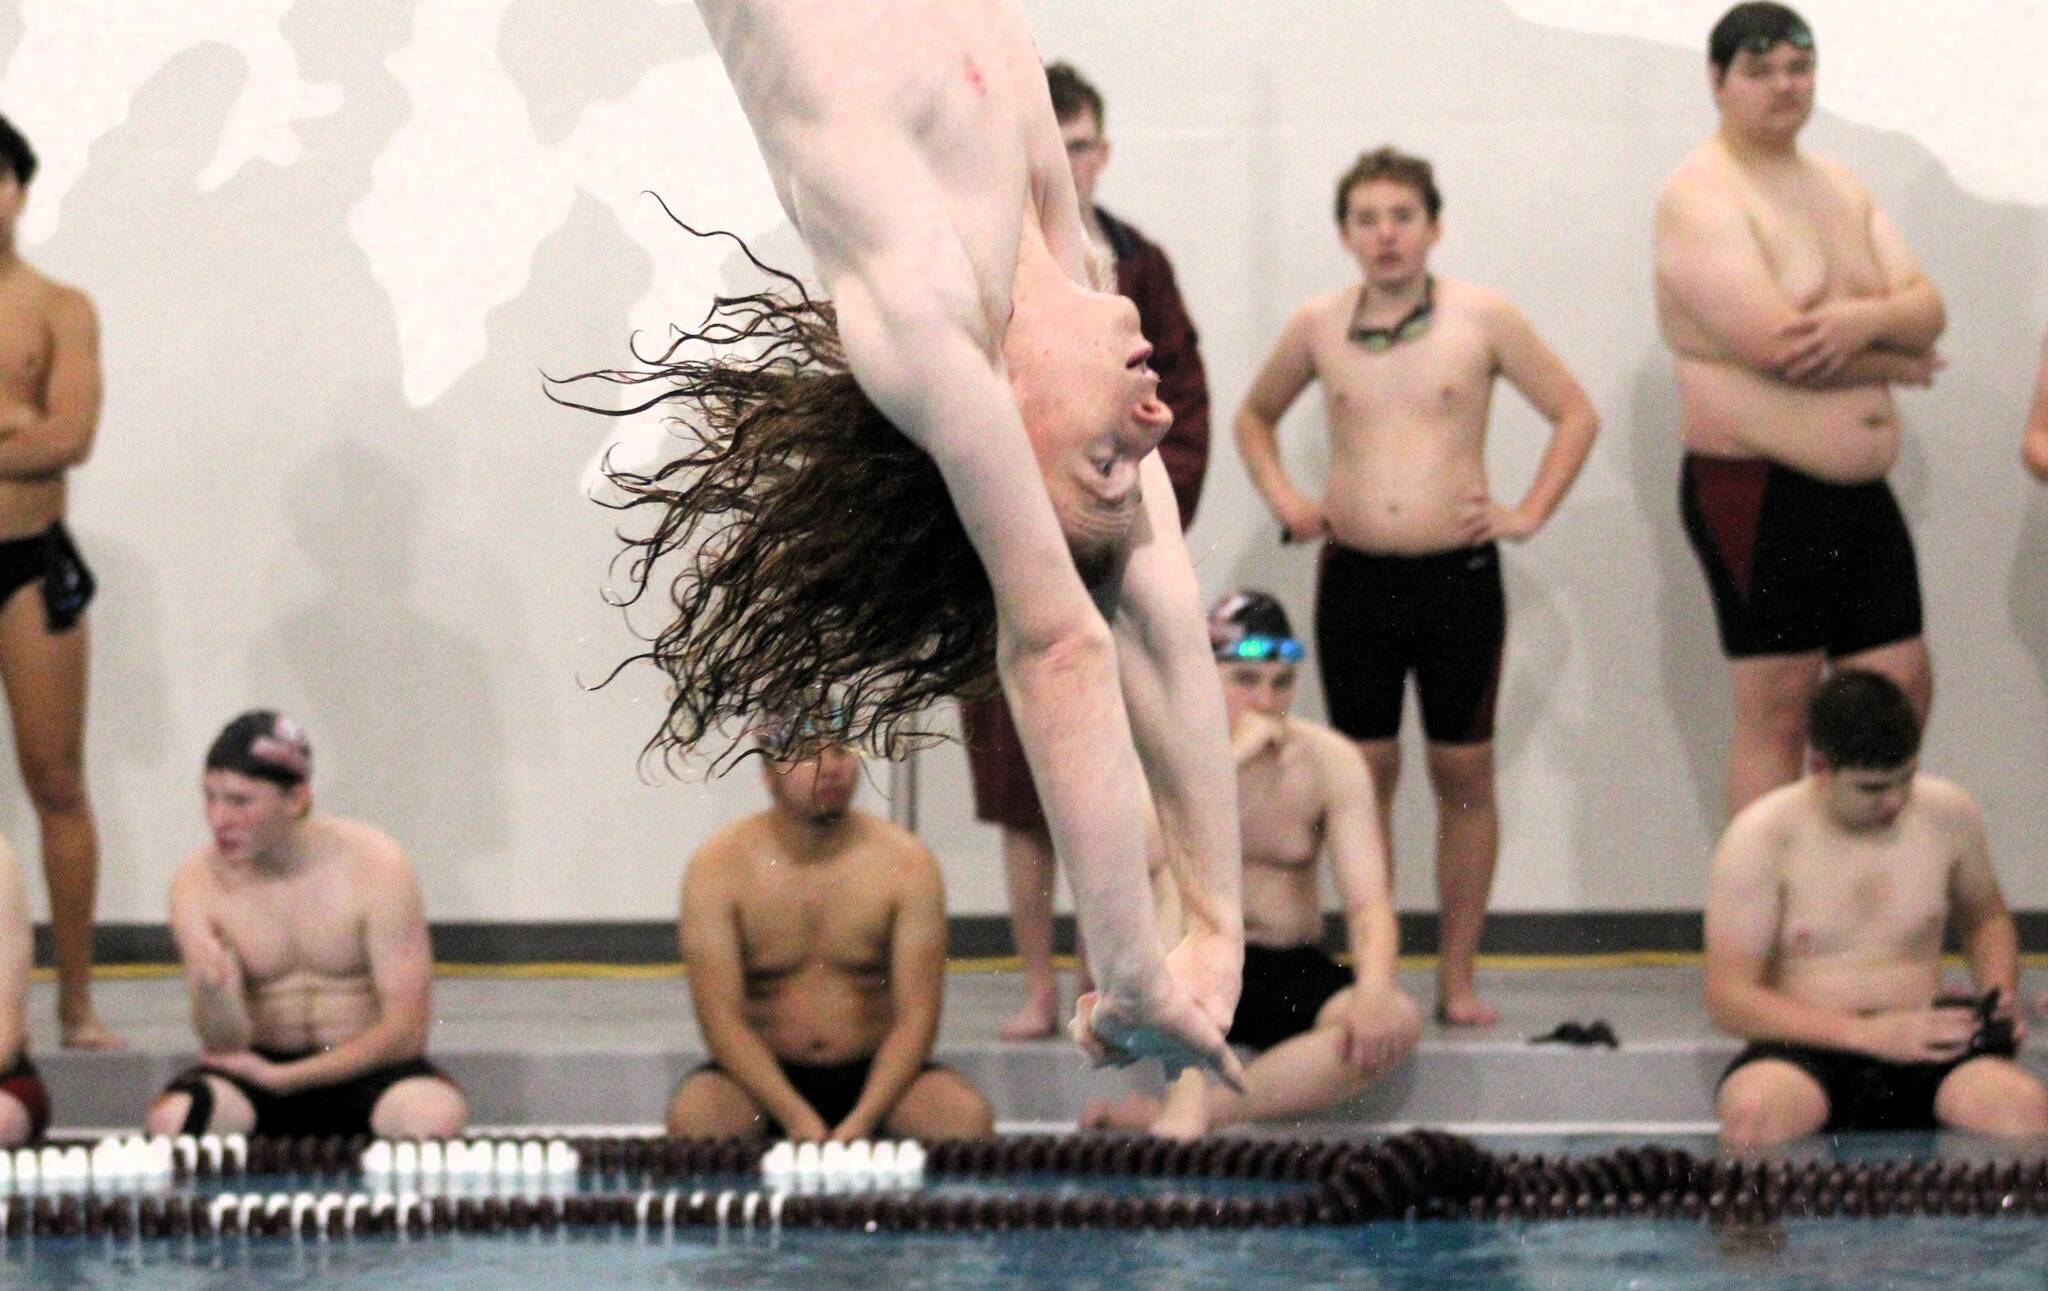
x: 1744, y: 909
x: 1358, y: 862
x: 1977, y: 909
x: 2034, y: 449
x: 918, y: 340
x: 37, y: 445
x: 401, y: 973
x: 708, y: 936
x: 917, y: 985
x: 213, y: 976
x: 16, y: 959
x: 1382, y: 1022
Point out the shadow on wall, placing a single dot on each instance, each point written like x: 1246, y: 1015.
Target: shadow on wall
x: 1691, y: 670
x: 2026, y: 593
x: 126, y: 743
x: 401, y: 707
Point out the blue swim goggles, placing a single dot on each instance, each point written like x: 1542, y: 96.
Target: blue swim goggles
x: 1262, y: 650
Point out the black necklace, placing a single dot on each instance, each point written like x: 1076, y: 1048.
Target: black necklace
x: 1413, y: 324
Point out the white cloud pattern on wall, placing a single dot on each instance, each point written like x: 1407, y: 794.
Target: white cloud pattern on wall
x: 1963, y: 79
x: 465, y: 192
x: 75, y: 73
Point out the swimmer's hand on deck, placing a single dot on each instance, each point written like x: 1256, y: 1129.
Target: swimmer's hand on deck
x: 1181, y: 1021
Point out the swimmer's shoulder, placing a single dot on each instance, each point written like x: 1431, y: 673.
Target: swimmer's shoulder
x: 373, y: 854
x: 193, y: 879
x: 1483, y: 305
x: 1336, y: 758
x: 1845, y: 183
x: 899, y: 854
x: 1775, y: 820
x: 1705, y: 187
x: 1947, y: 802
x: 728, y: 851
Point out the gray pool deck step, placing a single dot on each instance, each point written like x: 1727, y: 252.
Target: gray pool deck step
x: 580, y: 1050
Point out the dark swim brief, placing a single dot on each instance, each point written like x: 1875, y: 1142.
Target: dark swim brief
x: 342, y: 1108
x: 1866, y: 1093
x: 52, y: 559
x: 831, y: 1090
x: 24, y: 1084
x: 1284, y: 989
x: 1797, y: 564
x: 1443, y: 617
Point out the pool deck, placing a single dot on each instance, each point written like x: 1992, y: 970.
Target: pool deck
x: 583, y: 1049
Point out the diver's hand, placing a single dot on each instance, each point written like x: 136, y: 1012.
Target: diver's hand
x: 1174, y: 1019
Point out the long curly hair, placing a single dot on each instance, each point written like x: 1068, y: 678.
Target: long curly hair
x: 821, y: 582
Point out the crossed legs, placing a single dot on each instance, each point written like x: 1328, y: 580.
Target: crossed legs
x: 1298, y: 1077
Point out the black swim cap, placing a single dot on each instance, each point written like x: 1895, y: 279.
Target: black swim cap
x: 15, y: 152
x: 1244, y: 615
x: 263, y: 745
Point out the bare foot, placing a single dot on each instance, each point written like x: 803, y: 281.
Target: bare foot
x: 1466, y: 1011
x: 1131, y: 1112
x: 89, y: 1033
x: 1182, y: 1119
x: 1037, y: 1018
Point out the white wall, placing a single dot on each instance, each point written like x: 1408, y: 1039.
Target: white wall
x: 334, y: 246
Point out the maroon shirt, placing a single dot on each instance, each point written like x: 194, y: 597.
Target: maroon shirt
x: 1003, y: 792
x: 1145, y: 275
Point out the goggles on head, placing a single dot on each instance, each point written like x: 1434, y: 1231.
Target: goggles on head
x: 1797, y: 38
x: 1256, y: 649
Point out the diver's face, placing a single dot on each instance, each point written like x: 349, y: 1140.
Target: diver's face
x: 1768, y: 94
x: 1388, y: 231
x: 1265, y: 688
x: 1863, y: 797
x: 1079, y: 370
x: 1087, y: 153
x: 819, y: 790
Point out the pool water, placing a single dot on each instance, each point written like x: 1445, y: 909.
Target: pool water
x: 1802, y: 1255
x: 1598, y: 1255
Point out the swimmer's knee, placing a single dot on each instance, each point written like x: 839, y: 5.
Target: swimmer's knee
x: 16, y: 1125
x: 1757, y: 1111
x: 1462, y: 772
x: 942, y: 1104
x: 55, y: 783
x: 710, y: 1104
x: 421, y: 1107
x: 166, y: 1116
